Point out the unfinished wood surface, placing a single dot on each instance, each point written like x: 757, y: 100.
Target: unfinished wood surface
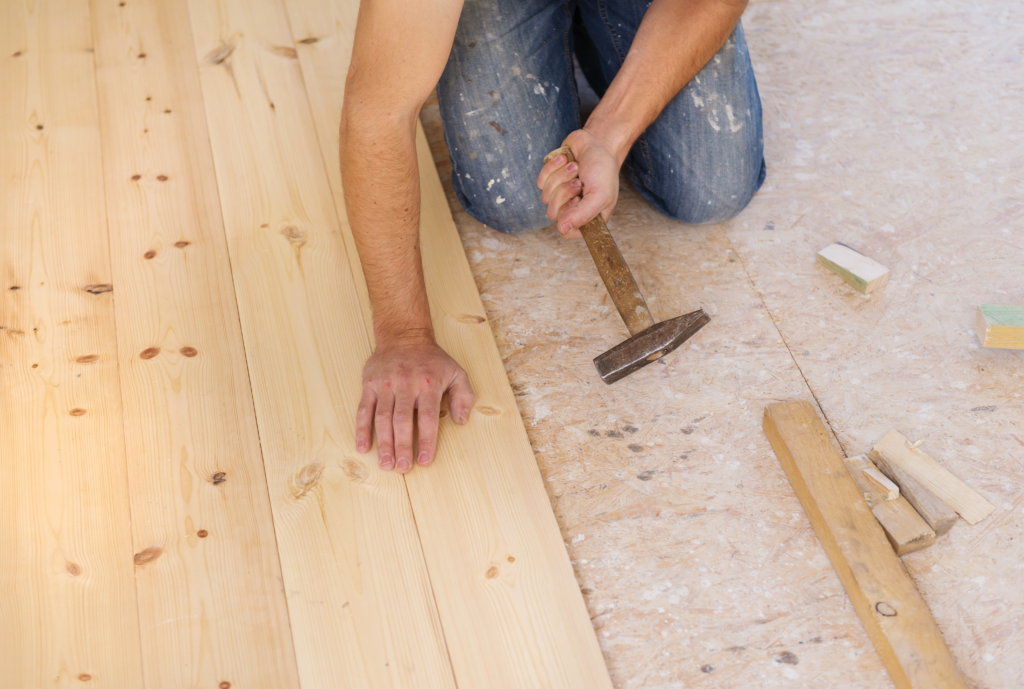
x: 936, y: 513
x: 889, y: 489
x: 960, y: 497
x: 883, y: 594
x: 360, y: 603
x: 863, y: 273
x: 211, y: 605
x: 509, y: 603
x: 1001, y: 327
x: 67, y: 596
x: 904, y: 527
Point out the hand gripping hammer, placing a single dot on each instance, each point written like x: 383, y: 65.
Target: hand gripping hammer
x: 649, y: 341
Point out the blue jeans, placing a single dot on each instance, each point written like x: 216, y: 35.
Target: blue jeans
x: 508, y: 97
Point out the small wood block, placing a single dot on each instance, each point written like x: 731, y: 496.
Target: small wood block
x: 936, y: 513
x: 958, y: 495
x: 895, y: 616
x: 889, y: 489
x: 904, y: 527
x: 1001, y: 327
x: 864, y: 274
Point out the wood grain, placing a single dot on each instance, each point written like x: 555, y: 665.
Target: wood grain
x: 906, y: 530
x: 958, y: 495
x: 883, y: 594
x: 936, y: 513
x: 509, y: 602
x: 211, y: 605
x: 1000, y: 326
x: 360, y: 603
x: 865, y: 274
x: 67, y: 597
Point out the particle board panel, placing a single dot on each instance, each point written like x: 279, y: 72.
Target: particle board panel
x: 68, y: 610
x: 359, y: 598
x: 211, y: 604
x: 509, y: 603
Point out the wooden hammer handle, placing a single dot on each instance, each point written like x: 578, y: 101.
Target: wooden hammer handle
x: 612, y: 267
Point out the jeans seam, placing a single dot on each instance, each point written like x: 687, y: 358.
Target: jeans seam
x: 566, y: 40
x: 602, y: 7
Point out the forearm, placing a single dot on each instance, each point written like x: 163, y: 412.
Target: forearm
x: 382, y: 197
x: 675, y: 40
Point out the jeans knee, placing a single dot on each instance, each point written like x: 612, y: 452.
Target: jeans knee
x: 508, y: 211
x: 709, y: 201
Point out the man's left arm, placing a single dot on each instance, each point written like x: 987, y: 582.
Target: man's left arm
x: 675, y: 40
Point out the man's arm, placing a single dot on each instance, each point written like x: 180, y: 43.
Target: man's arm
x: 399, y: 53
x: 675, y: 40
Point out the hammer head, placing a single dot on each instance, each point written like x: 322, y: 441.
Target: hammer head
x: 648, y: 345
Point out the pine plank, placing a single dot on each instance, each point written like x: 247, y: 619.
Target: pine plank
x: 935, y: 513
x: 906, y: 530
x: 511, y: 609
x: 958, y: 495
x: 68, y: 610
x: 863, y: 273
x: 211, y: 606
x: 895, y: 616
x: 1000, y: 326
x: 359, y: 599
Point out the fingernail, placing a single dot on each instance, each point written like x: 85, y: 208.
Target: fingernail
x: 386, y: 461
x: 574, y: 200
x: 361, y: 446
x: 571, y: 167
x: 564, y: 227
x: 423, y: 458
x: 559, y: 160
x: 575, y: 183
x: 465, y: 416
x: 403, y: 464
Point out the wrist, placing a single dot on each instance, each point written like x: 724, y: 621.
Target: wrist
x: 614, y: 134
x: 405, y: 335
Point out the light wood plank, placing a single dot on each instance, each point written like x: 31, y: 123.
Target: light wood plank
x: 889, y: 489
x: 935, y: 513
x: 1000, y: 326
x: 211, y: 605
x: 895, y: 616
x: 958, y: 495
x: 864, y: 274
x: 360, y: 602
x: 906, y: 530
x: 68, y: 611
x: 512, y: 611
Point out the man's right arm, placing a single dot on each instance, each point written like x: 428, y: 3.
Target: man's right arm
x: 399, y: 52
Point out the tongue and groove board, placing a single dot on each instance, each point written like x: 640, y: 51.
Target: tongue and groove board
x: 67, y: 597
x: 509, y: 602
x: 361, y: 609
x: 210, y: 600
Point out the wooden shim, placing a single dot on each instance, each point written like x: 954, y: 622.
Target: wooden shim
x: 930, y: 474
x: 864, y: 274
x: 509, y: 602
x: 359, y: 599
x: 1000, y: 326
x: 935, y: 513
x: 68, y: 610
x: 212, y: 607
x: 895, y: 616
x: 904, y: 527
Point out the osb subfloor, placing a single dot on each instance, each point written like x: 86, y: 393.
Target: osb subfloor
x: 893, y: 128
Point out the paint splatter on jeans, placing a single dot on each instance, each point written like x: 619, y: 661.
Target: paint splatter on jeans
x: 508, y: 96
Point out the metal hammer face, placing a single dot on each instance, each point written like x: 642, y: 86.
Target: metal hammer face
x: 648, y: 345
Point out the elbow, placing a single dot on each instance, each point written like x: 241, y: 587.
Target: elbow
x: 371, y: 110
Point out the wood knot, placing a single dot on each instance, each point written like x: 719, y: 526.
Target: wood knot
x: 470, y: 319
x: 99, y: 289
x: 15, y: 288
x: 181, y: 244
x: 294, y: 235
x: 149, y: 352
x: 149, y: 254
x: 309, y: 41
x: 283, y: 51
x: 188, y: 351
x: 885, y: 609
x: 136, y: 178
x: 161, y: 178
x: 488, y: 411
x: 15, y: 331
x: 492, y: 571
x: 39, y: 127
x: 354, y: 469
x: 73, y: 569
x: 85, y: 677
x: 224, y: 685
x: 511, y: 559
x: 202, y: 533
x: 219, y: 478
x: 142, y: 56
x: 167, y: 111
x: 221, y: 53
x: 88, y: 359
x: 77, y: 411
x: 16, y: 54
x: 144, y: 557
x: 306, y: 479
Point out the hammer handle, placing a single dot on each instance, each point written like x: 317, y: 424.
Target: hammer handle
x: 613, y: 269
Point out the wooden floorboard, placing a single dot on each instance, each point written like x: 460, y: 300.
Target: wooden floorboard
x: 359, y: 600
x: 67, y: 596
x: 211, y: 604
x: 509, y: 603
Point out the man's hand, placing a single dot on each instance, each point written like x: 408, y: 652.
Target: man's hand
x: 402, y: 376
x: 577, y: 192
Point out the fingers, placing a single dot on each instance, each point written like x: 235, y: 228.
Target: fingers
x: 405, y: 404
x: 549, y: 167
x: 573, y: 216
x: 559, y: 180
x: 364, y: 418
x: 428, y: 410
x: 385, y: 429
x: 462, y: 397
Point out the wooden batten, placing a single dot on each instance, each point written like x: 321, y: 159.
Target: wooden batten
x: 906, y: 530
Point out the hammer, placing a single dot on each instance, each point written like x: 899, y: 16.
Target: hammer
x: 649, y: 341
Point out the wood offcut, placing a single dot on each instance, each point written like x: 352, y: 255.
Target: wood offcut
x: 864, y: 274
x: 1000, y: 327
x: 904, y: 527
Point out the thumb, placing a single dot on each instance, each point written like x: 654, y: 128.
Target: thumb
x: 583, y: 212
x: 462, y: 397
